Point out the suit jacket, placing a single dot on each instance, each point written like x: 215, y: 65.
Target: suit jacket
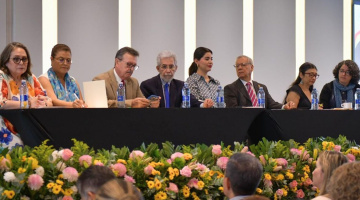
x: 236, y: 95
x: 153, y: 86
x: 132, y: 88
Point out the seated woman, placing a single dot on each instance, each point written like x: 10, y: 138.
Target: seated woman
x: 343, y: 87
x: 118, y: 190
x: 62, y: 88
x: 300, y: 90
x: 201, y: 85
x: 327, y: 162
x: 15, y: 64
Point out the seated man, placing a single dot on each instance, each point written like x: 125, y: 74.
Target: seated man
x: 165, y: 86
x: 125, y: 64
x: 92, y: 179
x: 242, y: 92
x: 242, y: 176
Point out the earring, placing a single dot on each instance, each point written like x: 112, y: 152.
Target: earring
x: 301, y: 82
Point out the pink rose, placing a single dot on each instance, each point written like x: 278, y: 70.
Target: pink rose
x: 98, y: 162
x: 185, y: 171
x: 3, y: 165
x: 250, y: 153
x: 245, y: 149
x: 222, y: 161
x: 308, y: 182
x: 119, y: 169
x: 193, y: 183
x: 35, y: 182
x: 351, y: 157
x: 148, y: 170
x: 201, y: 168
x: 67, y: 154
x: 262, y: 160
x: 295, y: 151
x: 300, y: 194
x: 279, y: 192
x: 293, y: 184
x: 169, y: 161
x: 337, y: 148
x: 129, y: 179
x: 282, y: 162
x: 136, y: 153
x: 85, y: 158
x: 305, y: 155
x: 268, y: 183
x: 67, y: 198
x: 70, y: 174
x: 176, y: 155
x: 173, y: 187
x: 216, y: 150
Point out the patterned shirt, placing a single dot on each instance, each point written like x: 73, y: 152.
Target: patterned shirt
x: 201, y: 89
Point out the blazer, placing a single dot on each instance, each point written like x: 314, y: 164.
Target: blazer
x: 236, y: 95
x: 132, y: 88
x: 153, y: 86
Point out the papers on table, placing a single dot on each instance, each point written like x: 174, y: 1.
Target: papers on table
x: 95, y: 94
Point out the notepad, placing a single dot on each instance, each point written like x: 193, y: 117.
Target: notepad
x: 95, y: 94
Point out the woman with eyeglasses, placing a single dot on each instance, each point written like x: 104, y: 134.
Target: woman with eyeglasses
x: 343, y: 87
x: 62, y: 88
x: 300, y: 90
x: 15, y: 66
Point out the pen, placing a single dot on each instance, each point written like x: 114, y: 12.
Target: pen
x: 82, y: 105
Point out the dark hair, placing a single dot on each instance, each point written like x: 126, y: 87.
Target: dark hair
x: 198, y: 54
x: 59, y: 47
x: 353, y: 68
x: 5, y: 57
x: 118, y: 190
x: 120, y: 53
x: 93, y: 178
x: 302, y: 69
x: 245, y: 172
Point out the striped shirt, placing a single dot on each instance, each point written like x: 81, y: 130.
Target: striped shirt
x: 201, y: 89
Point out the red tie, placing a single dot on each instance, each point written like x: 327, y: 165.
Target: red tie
x: 123, y: 82
x: 252, y: 95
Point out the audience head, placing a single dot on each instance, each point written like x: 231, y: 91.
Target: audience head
x: 15, y: 60
x: 256, y: 197
x: 244, y: 66
x: 307, y: 75
x: 92, y: 179
x: 242, y: 176
x: 202, y: 60
x: 347, y: 71
x: 166, y: 65
x: 126, y: 62
x: 327, y: 162
x: 61, y: 59
x: 118, y: 190
x: 344, y: 183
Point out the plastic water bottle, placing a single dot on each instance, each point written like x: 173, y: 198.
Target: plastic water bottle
x: 314, y: 100
x: 220, y: 98
x: 185, y: 96
x: 357, y: 99
x: 261, y: 97
x: 121, y: 96
x: 24, y: 97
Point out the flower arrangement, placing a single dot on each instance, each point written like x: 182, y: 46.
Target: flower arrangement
x: 170, y: 172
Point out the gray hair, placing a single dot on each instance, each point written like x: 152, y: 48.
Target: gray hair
x: 243, y: 56
x: 165, y: 54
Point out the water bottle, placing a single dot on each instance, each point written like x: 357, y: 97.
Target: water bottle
x: 185, y: 96
x: 357, y: 99
x: 220, y: 98
x: 121, y: 96
x: 261, y: 97
x: 24, y: 97
x: 314, y: 100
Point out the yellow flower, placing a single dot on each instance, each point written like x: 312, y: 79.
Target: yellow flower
x: 176, y: 172
x: 160, y: 164
x: 9, y: 194
x: 162, y: 195
x: 301, y: 148
x: 153, y: 164
x: 294, y: 189
x: 258, y: 190
x: 96, y: 162
x: 157, y: 197
x: 315, y: 154
x: 68, y: 192
x: 221, y: 189
x: 56, y: 189
x: 121, y: 161
x: 306, y: 169
x: 23, y: 158
x: 59, y: 182
x: 267, y: 176
x: 171, y: 177
x: 284, y: 192
x: 155, y: 172
x: 150, y: 184
x: 211, y: 173
x: 186, y: 191
x: 289, y: 175
x: 34, y: 162
x: 200, y: 184
x: 220, y: 175
x: 157, y: 184
x: 50, y: 185
x: 275, y: 196
x: 206, y: 191
x: 61, y: 176
x: 187, y: 156
x: 21, y: 170
x: 280, y: 177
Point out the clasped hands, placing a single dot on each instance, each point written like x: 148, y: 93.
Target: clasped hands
x: 145, y: 103
x: 40, y: 101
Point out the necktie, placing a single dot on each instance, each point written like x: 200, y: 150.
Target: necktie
x: 167, y: 96
x: 252, y: 95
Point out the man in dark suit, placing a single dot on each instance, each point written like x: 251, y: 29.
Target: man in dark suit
x: 237, y: 95
x: 166, y: 66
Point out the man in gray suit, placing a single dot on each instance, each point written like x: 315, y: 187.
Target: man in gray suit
x: 237, y: 93
x: 125, y: 65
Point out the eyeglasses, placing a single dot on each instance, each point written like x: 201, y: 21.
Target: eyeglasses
x: 131, y: 65
x: 312, y: 75
x: 346, y: 72
x: 17, y: 60
x: 63, y: 60
x: 242, y: 65
x: 171, y: 67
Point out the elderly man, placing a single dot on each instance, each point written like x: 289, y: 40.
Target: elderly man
x: 242, y: 92
x: 165, y: 86
x: 125, y: 64
x: 242, y: 176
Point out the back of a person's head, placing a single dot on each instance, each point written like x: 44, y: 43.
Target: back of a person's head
x: 329, y: 161
x: 92, y: 179
x: 256, y: 197
x: 245, y: 172
x: 118, y: 190
x: 345, y: 182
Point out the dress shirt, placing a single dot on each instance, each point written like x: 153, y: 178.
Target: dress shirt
x: 201, y: 89
x: 118, y: 79
x: 239, y: 197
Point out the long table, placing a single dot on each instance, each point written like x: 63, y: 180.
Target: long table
x: 102, y: 128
